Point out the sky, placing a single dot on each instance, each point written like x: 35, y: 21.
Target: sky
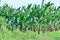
x: 19, y: 3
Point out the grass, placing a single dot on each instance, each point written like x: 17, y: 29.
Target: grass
x: 28, y: 35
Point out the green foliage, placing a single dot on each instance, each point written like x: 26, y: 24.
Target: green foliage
x: 2, y: 20
x: 30, y: 17
x: 35, y: 15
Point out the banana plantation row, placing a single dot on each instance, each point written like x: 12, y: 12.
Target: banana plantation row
x: 33, y: 17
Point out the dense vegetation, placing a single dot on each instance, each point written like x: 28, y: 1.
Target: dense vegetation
x: 33, y: 17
